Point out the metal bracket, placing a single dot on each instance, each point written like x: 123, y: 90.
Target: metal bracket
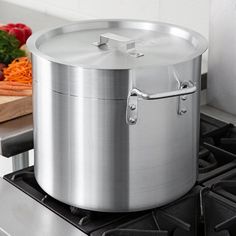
x: 182, y: 110
x: 132, y: 109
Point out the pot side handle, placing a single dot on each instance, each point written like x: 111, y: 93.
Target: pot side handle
x: 186, y: 88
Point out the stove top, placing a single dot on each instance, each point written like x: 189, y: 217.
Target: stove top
x: 171, y: 220
x: 188, y: 216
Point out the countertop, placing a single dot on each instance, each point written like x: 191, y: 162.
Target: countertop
x: 16, y: 136
x: 218, y: 114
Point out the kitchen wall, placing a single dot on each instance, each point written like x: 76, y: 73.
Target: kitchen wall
x: 193, y: 14
x: 189, y: 13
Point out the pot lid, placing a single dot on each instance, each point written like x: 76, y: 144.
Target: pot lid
x: 117, y: 44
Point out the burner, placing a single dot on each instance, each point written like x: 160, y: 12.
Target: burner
x: 214, y: 161
x: 207, y: 161
x: 220, y: 215
x: 217, y: 152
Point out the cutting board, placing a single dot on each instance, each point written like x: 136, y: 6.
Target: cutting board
x: 13, y: 107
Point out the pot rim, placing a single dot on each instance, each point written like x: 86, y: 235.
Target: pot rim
x: 32, y: 44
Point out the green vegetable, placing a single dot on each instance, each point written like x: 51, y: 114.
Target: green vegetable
x: 9, y: 48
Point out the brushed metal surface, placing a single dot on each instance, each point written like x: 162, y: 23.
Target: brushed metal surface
x: 86, y: 155
x: 20, y: 161
x: 221, y: 85
x: 20, y: 215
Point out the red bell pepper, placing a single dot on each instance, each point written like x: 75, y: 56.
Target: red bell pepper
x: 19, y: 30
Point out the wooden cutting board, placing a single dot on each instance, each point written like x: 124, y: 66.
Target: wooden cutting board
x: 13, y: 107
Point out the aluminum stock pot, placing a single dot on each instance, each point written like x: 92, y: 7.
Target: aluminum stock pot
x: 116, y: 113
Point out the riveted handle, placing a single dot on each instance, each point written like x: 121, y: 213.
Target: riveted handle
x: 118, y: 39
x: 186, y: 88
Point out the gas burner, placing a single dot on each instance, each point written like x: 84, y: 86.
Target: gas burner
x: 207, y: 161
x: 214, y: 161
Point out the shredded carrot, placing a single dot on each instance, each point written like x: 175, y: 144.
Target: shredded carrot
x: 19, y: 70
x: 17, y: 78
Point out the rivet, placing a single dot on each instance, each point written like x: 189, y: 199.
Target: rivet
x: 132, y: 120
x: 132, y: 107
x: 183, y: 111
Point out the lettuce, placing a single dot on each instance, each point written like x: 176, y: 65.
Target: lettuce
x: 9, y: 48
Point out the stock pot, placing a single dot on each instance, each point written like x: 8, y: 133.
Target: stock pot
x: 116, y: 112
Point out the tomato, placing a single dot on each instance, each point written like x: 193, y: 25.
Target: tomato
x: 19, y: 34
x: 28, y: 32
x: 19, y: 30
x: 20, y: 25
x: 4, y: 28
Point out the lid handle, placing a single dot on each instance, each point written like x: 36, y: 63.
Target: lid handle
x: 118, y: 39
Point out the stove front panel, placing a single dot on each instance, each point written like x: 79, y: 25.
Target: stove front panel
x: 20, y: 215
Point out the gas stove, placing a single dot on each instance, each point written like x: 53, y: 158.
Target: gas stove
x: 210, y: 206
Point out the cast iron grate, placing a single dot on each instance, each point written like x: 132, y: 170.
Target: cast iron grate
x: 219, y: 215
x: 214, y: 157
